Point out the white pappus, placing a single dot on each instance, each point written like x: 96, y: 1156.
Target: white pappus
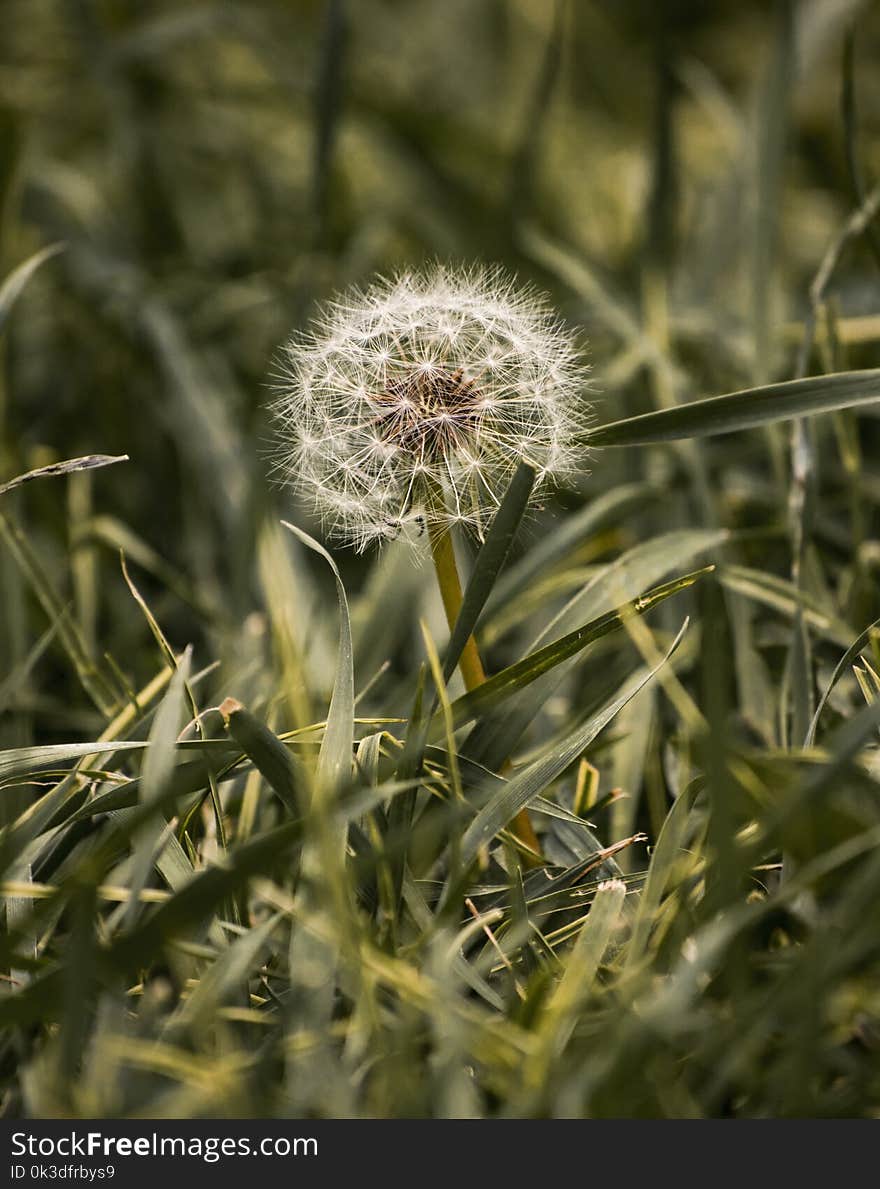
x: 416, y: 399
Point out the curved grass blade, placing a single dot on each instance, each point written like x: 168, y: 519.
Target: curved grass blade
x: 489, y: 561
x: 202, y: 895
x: 783, y: 596
x: 842, y: 665
x: 225, y: 976
x: 12, y: 287
x: 493, y: 739
x: 187, y: 779
x: 547, y: 552
x: 630, y: 574
x: 22, y: 761
x: 335, y: 756
x: 158, y: 768
x: 268, y: 753
x: 486, y: 697
x: 323, y: 892
x: 519, y: 791
x: 25, y: 667
x: 666, y: 851
x: 170, y: 659
x: 87, y: 463
x: 744, y: 409
x: 92, y: 678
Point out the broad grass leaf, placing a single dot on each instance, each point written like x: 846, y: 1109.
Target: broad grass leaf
x: 489, y: 561
x: 745, y: 409
x: 335, y: 757
x: 559, y: 545
x: 628, y: 576
x: 485, y: 698
x: 525, y: 785
x: 17, y: 762
x: 267, y: 751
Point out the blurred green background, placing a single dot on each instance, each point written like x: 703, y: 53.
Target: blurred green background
x: 673, y: 174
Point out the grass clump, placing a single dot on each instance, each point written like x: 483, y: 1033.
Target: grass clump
x: 263, y: 851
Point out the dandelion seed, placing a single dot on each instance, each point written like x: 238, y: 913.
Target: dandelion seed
x: 414, y: 402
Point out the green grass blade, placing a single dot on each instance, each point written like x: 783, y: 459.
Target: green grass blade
x: 549, y: 551
x: 92, y: 678
x: 581, y: 968
x: 266, y: 750
x: 872, y: 631
x: 158, y: 769
x: 496, y: 689
x: 17, y: 762
x: 519, y: 791
x: 628, y: 576
x: 744, y: 410
x: 224, y: 977
x: 187, y: 779
x: 335, y: 757
x: 666, y: 852
x: 783, y: 596
x: 15, y: 282
x: 201, y: 896
x: 489, y: 561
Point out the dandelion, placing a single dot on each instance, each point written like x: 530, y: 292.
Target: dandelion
x: 416, y: 400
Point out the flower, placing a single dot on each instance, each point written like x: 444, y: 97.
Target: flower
x: 417, y: 398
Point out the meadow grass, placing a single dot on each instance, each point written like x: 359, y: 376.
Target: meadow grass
x: 258, y: 854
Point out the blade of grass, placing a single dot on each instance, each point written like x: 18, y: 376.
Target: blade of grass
x: 519, y: 791
x: 666, y: 851
x: 563, y: 542
x: 744, y: 409
x: 266, y: 750
x: 158, y: 768
x: 489, y: 561
x: 86, y: 463
x: 93, y: 681
x: 493, y: 738
x: 480, y: 701
x: 872, y: 631
x: 335, y: 757
x: 15, y: 282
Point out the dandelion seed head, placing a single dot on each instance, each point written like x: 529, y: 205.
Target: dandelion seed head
x: 417, y: 398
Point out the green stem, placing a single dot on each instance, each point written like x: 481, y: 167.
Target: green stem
x: 443, y: 555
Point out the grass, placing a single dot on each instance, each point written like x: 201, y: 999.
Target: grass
x: 257, y: 853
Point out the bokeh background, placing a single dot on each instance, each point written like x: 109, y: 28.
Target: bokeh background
x: 673, y: 174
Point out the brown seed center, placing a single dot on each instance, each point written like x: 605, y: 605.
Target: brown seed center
x: 428, y: 413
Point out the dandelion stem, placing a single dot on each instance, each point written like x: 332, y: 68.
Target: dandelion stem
x: 470, y: 665
x: 443, y: 554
